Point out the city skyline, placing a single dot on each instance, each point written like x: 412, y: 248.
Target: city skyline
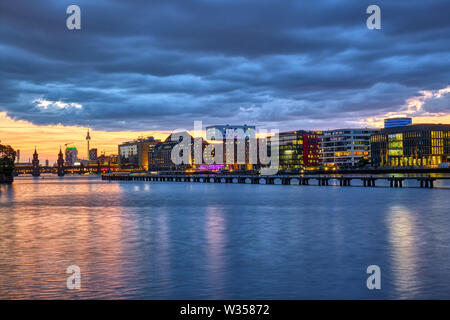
x: 21, y: 135
x: 287, y: 67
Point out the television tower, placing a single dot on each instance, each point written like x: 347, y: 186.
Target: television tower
x: 88, y: 140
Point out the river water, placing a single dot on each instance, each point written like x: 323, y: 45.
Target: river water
x: 166, y: 240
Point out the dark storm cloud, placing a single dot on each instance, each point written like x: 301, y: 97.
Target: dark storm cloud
x: 158, y: 64
x: 438, y: 105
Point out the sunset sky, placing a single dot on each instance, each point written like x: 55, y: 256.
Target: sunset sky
x: 24, y: 136
x: 149, y: 67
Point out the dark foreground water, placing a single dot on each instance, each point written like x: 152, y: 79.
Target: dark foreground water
x: 157, y: 240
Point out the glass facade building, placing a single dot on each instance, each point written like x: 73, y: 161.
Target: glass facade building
x: 420, y: 145
x: 71, y: 156
x: 160, y: 157
x: 345, y: 148
x: 211, y: 131
x: 134, y: 154
x: 230, y: 154
x: 299, y: 150
x: 397, y: 122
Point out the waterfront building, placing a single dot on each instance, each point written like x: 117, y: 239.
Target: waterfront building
x: 418, y: 145
x: 159, y: 157
x: 299, y: 150
x: 211, y: 130
x: 71, y: 156
x: 346, y: 148
x: 108, y: 160
x: 232, y: 153
x: 134, y: 154
x: 398, y: 121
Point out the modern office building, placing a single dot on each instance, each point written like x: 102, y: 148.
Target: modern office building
x: 134, y: 154
x: 345, y: 148
x: 395, y: 122
x: 418, y: 145
x: 160, y: 159
x: 249, y: 132
x: 211, y: 131
x: 71, y: 156
x: 299, y: 150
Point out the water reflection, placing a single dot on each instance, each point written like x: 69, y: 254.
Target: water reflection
x: 215, y: 234
x: 206, y: 241
x: 41, y: 241
x: 403, y: 238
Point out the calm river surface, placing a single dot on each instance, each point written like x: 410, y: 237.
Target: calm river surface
x: 166, y: 240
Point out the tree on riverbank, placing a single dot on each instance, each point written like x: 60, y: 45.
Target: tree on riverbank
x: 7, y: 158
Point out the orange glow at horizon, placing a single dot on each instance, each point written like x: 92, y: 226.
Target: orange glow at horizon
x: 378, y: 122
x: 24, y: 136
x: 413, y: 108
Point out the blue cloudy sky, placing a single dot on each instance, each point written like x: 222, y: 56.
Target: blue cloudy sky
x: 160, y: 64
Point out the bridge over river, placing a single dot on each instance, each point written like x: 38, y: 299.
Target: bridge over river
x: 318, y: 180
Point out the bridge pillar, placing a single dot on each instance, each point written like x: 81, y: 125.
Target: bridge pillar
x: 426, y: 182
